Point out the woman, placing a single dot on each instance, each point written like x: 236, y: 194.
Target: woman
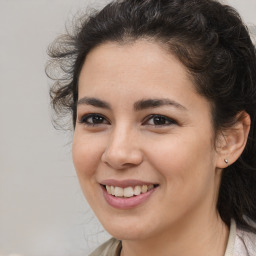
x: 163, y: 99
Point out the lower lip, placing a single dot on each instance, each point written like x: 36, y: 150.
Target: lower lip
x: 126, y: 202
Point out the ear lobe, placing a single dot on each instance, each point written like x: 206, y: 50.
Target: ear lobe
x: 231, y: 141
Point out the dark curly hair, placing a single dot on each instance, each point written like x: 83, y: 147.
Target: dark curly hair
x: 212, y: 42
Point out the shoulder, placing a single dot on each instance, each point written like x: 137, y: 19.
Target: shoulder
x: 111, y: 247
x: 240, y: 242
x: 245, y: 243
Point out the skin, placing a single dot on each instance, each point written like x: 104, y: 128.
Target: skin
x: 180, y: 217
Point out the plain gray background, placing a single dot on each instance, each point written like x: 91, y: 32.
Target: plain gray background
x: 42, y: 210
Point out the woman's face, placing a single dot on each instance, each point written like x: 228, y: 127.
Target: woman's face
x: 144, y: 130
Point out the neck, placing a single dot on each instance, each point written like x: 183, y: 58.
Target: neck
x: 207, y: 236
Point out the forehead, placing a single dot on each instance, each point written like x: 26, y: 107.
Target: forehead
x: 140, y: 62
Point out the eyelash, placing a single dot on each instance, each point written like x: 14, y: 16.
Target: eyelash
x: 168, y: 121
x: 103, y: 120
x: 84, y: 119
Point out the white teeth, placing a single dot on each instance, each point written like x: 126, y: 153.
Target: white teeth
x: 144, y: 189
x: 128, y: 191
x: 112, y: 190
x: 137, y: 190
x: 119, y: 192
x: 108, y: 189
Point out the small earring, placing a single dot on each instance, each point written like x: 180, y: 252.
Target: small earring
x: 226, y: 161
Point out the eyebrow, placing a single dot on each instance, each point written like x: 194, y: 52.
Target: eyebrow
x: 154, y: 103
x: 138, y: 106
x: 93, y: 102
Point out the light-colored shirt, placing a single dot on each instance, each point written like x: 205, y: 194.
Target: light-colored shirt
x: 240, y: 243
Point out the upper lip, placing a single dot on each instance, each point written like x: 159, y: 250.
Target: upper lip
x: 125, y: 183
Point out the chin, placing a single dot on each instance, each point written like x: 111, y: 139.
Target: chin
x: 126, y: 230
x: 128, y: 234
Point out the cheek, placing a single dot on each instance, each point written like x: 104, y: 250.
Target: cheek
x: 86, y: 155
x: 187, y: 174
x: 183, y: 160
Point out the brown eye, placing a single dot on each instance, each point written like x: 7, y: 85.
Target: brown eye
x: 159, y: 120
x: 93, y: 119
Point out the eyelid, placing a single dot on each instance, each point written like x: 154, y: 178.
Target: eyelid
x: 171, y: 121
x: 81, y: 119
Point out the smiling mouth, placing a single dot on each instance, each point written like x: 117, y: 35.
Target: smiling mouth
x: 128, y: 192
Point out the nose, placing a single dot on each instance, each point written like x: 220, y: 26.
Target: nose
x: 122, y: 150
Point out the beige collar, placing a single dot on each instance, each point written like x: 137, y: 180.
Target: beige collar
x: 231, y: 239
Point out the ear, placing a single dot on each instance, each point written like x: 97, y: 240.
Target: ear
x: 231, y: 141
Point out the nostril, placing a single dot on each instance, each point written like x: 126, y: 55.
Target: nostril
x: 122, y: 152
x: 120, y: 161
